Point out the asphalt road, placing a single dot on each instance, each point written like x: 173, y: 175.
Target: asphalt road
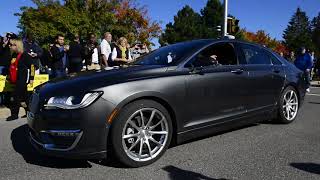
x: 260, y: 151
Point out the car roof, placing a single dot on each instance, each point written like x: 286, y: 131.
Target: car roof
x: 209, y: 41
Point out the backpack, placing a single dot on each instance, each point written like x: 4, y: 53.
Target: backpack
x: 13, y: 71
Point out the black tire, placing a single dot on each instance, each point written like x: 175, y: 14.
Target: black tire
x: 119, y: 124
x: 281, y: 118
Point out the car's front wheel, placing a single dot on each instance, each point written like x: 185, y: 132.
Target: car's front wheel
x: 288, y: 105
x: 141, y: 133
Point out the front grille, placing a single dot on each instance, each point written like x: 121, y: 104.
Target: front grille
x: 54, y: 141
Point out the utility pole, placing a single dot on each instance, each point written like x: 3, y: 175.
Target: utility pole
x: 225, y: 20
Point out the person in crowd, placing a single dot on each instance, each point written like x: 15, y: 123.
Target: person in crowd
x: 75, y: 55
x: 22, y: 71
x: 5, y: 54
x: 46, y: 60
x: 34, y: 50
x: 139, y: 50
x: 106, y: 49
x: 292, y: 57
x: 313, y: 58
x: 2, y: 66
x: 281, y: 54
x: 304, y: 63
x: 121, y: 53
x: 91, y: 53
x: 59, y: 57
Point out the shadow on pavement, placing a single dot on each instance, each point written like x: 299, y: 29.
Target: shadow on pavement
x: 109, y: 162
x: 22, y: 145
x: 177, y: 173
x: 308, y: 167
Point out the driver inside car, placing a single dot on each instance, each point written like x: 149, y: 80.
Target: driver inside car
x: 214, y: 60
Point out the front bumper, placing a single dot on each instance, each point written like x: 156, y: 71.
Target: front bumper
x: 79, y: 134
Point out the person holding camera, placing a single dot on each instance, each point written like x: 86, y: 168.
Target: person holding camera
x: 91, y: 53
x: 5, y: 54
x: 59, y: 57
x: 34, y: 50
x: 139, y: 50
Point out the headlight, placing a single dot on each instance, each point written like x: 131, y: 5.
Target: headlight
x: 72, y: 102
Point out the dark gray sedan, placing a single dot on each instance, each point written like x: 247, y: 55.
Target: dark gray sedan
x: 174, y: 94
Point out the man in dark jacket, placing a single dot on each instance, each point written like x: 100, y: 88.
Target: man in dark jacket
x: 33, y: 49
x: 304, y: 63
x: 75, y: 55
x: 91, y: 53
x: 5, y: 54
x: 59, y: 57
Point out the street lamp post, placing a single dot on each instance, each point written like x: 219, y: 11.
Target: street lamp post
x: 225, y: 20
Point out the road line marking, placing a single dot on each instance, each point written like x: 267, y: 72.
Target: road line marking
x: 313, y: 95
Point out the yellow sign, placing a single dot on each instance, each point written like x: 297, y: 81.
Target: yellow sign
x: 6, y: 86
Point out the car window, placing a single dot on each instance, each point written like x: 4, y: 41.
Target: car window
x: 171, y: 55
x: 274, y: 60
x: 215, y: 55
x: 255, y: 55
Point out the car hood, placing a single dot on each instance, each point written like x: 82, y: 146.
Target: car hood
x: 91, y: 80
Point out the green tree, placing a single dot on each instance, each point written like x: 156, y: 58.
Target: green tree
x: 316, y: 32
x: 212, y: 16
x: 121, y: 17
x: 298, y: 33
x: 189, y: 25
x: 186, y: 26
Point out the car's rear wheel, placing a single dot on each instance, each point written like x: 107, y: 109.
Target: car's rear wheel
x: 288, y: 106
x: 141, y: 133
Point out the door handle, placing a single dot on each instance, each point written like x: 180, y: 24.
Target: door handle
x: 237, y: 71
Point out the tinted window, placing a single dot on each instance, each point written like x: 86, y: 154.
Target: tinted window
x: 255, y: 55
x: 217, y: 54
x: 171, y: 55
x: 274, y: 60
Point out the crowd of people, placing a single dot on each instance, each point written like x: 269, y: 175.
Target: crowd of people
x: 22, y: 59
x: 62, y: 59
x: 307, y: 62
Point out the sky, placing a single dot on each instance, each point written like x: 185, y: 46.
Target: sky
x: 269, y: 15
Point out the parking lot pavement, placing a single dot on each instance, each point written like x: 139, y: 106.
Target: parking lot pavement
x: 259, y: 151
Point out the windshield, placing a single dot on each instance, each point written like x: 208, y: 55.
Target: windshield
x: 171, y: 55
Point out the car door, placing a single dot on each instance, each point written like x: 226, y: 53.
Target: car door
x: 278, y: 75
x: 263, y: 81
x: 216, y: 92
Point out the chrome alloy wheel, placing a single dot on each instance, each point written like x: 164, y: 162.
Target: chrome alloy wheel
x: 290, y: 105
x: 145, y: 134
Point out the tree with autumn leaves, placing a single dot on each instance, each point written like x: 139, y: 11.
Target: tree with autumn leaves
x: 120, y: 17
x: 263, y: 38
